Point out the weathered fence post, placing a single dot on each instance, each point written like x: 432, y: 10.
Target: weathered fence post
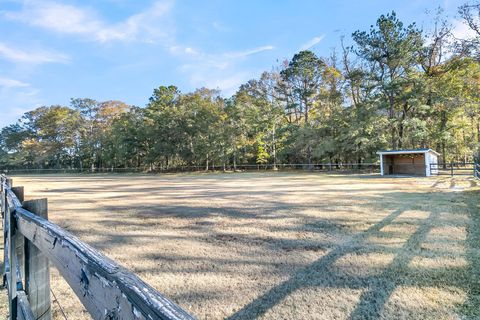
x: 9, y: 255
x: 3, y: 201
x: 19, y: 238
x: 4, y: 184
x: 37, y: 270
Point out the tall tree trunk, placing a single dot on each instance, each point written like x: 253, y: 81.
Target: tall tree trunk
x: 391, y: 116
x: 274, y: 149
x: 443, y: 127
x: 478, y: 131
x: 309, y: 156
x: 235, y: 158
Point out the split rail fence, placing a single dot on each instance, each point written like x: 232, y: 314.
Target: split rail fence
x: 31, y: 243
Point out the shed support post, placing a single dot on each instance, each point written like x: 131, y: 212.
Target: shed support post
x: 428, y: 165
x: 37, y: 270
x: 381, y: 165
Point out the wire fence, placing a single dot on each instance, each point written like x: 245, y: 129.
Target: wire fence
x: 440, y: 169
x: 316, y: 167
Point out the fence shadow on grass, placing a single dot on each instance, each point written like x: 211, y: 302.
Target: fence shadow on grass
x: 377, y: 289
x: 268, y: 300
x: 373, y: 300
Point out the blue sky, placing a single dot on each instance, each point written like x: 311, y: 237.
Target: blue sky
x: 51, y: 51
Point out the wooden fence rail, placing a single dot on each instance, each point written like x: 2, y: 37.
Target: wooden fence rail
x: 453, y: 168
x: 31, y: 242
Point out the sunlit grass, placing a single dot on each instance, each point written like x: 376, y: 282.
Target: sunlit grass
x: 280, y: 245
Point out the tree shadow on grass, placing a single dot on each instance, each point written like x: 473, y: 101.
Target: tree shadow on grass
x: 471, y: 307
x: 272, y: 297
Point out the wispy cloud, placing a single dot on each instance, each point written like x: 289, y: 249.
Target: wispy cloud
x: 62, y: 18
x: 222, y: 71
x: 228, y: 83
x: 35, y: 57
x: 312, y: 42
x: 12, y: 83
x: 246, y: 53
x: 16, y: 98
x: 460, y: 30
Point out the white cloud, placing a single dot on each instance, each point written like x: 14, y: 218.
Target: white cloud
x: 460, y: 30
x: 312, y: 42
x: 16, y: 98
x: 191, y: 51
x: 34, y: 57
x: 250, y: 52
x: 220, y: 70
x: 220, y: 27
x: 61, y: 18
x: 12, y: 83
x: 228, y: 83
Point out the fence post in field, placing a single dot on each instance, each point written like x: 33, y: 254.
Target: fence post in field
x: 37, y: 270
x: 451, y: 169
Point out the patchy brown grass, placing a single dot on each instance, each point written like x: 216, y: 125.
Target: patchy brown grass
x: 281, y: 245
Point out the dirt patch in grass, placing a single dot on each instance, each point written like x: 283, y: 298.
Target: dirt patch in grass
x: 280, y: 245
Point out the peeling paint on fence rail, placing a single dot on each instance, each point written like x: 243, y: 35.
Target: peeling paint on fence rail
x: 107, y: 290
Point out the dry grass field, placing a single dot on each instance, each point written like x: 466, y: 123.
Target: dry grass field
x: 281, y: 245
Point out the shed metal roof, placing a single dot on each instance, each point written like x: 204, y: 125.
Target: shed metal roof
x: 408, y: 151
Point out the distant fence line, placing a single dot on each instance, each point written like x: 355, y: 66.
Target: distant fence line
x: 31, y: 242
x: 325, y: 167
x: 440, y: 169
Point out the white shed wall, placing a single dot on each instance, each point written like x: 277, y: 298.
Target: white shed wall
x: 432, y: 166
x: 431, y: 160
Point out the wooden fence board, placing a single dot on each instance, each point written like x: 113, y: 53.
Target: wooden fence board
x: 24, y: 311
x: 107, y: 290
x: 19, y: 243
x: 37, y: 269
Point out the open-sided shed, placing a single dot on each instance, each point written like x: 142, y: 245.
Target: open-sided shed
x: 408, y: 162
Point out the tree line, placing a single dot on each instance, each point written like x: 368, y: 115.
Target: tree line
x: 396, y: 86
